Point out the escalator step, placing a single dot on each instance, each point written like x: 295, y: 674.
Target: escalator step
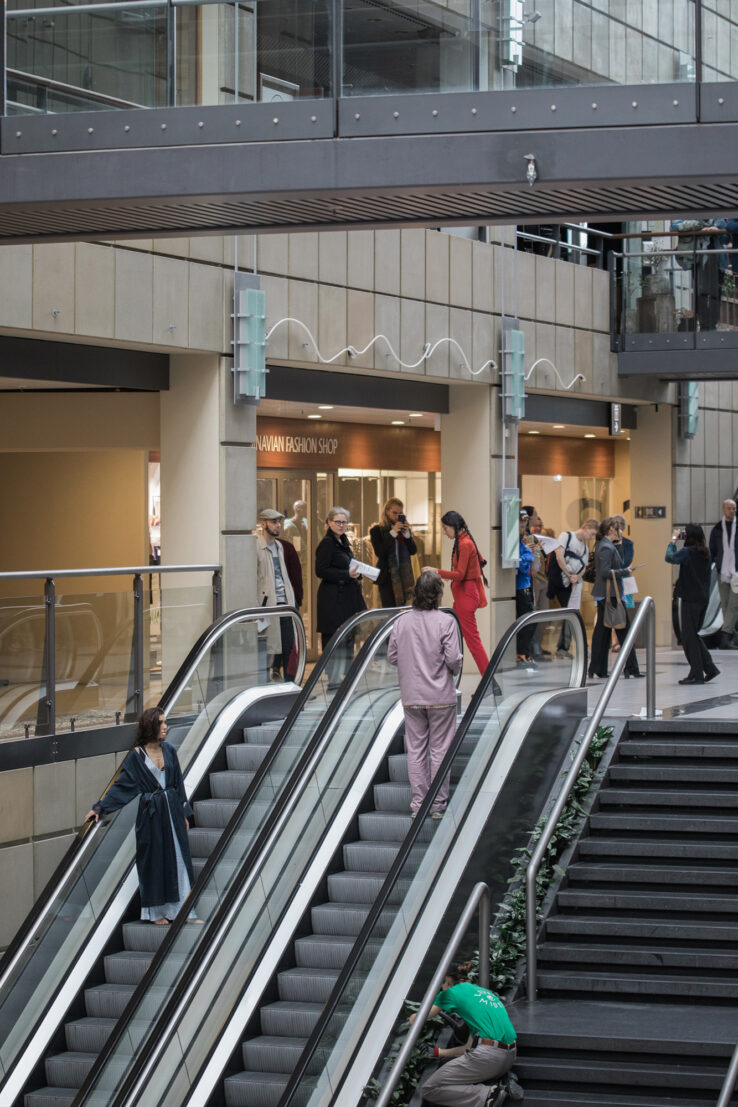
x: 322, y: 951
x: 347, y: 919
x: 369, y: 856
x: 51, y: 1097
x: 397, y: 763
x: 214, y: 812
x: 272, y: 1054
x: 245, y: 758
x: 127, y: 967
x: 88, y: 1035
x: 68, y: 1070
x: 289, y: 1019
x: 229, y: 785
x: 360, y: 887
x: 146, y: 937
x: 262, y: 734
x: 304, y: 985
x: 392, y: 797
x: 384, y: 826
x: 107, y: 1001
x: 247, y: 1089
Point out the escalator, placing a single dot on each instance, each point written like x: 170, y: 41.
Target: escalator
x: 265, y: 1000
x: 244, y: 754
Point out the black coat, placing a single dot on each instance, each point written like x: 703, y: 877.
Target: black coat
x: 339, y: 594
x: 384, y: 546
x: 156, y: 860
x: 716, y: 544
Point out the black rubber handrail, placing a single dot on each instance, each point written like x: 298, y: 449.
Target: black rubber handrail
x: 335, y: 707
x: 408, y: 844
x: 68, y: 861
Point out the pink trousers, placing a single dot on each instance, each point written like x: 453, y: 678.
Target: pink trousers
x: 429, y: 732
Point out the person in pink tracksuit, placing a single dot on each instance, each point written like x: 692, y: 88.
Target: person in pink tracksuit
x: 424, y: 645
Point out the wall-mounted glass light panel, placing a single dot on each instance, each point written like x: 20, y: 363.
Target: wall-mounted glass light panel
x: 469, y: 45
x: 156, y: 55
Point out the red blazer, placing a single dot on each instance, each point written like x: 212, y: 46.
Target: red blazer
x: 465, y: 566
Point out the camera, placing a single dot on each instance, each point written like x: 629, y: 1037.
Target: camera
x: 679, y: 534
x: 402, y: 518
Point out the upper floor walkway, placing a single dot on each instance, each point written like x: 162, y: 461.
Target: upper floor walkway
x: 165, y: 117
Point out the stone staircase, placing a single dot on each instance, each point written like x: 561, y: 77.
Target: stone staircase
x: 638, y: 951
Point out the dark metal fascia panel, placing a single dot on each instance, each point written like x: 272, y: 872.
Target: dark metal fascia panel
x: 111, y: 367
x: 321, y: 386
x: 574, y: 411
x: 517, y: 109
x: 133, y: 128
x: 26, y: 753
x: 678, y: 365
x: 719, y: 102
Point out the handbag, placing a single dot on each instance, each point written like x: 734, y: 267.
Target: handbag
x: 589, y: 576
x: 614, y: 616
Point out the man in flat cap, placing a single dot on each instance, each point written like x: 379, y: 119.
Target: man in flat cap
x: 278, y: 581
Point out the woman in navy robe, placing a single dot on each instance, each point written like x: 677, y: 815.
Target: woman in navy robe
x: 151, y: 771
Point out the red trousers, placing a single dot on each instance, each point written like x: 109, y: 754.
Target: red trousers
x: 466, y: 602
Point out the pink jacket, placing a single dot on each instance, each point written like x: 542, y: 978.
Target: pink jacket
x: 425, y: 647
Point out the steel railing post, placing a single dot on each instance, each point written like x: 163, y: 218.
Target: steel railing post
x: 49, y: 664
x: 138, y: 645
x: 217, y: 594
x: 484, y: 924
x: 651, y: 663
x: 726, y: 1092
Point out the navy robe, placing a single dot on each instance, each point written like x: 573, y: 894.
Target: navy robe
x: 156, y: 860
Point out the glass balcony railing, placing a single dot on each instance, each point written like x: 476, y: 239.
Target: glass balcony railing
x: 676, y: 297
x: 165, y: 53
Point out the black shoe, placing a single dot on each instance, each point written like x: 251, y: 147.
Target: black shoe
x: 692, y: 680
x: 636, y: 676
x: 711, y: 674
x: 726, y: 641
x: 496, y: 1097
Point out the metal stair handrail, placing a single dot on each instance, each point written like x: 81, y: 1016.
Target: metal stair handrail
x: 731, y: 1076
x: 646, y: 614
x: 479, y: 897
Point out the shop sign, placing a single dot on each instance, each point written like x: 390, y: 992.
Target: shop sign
x: 299, y: 444
x: 650, y: 512
x: 616, y: 420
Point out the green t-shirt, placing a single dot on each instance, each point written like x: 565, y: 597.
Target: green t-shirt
x: 482, y: 1011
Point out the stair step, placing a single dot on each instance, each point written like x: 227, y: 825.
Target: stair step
x: 108, y: 1001
x: 644, y: 1075
x: 305, y: 985
x: 252, y: 1089
x: 363, y: 887
x: 397, y: 764
x: 272, y: 1054
x: 68, y: 1070
x: 214, y: 812
x: 652, y: 846
x: 654, y: 928
x: 613, y: 984
x: 263, y: 733
x: 347, y: 919
x: 655, y: 957
x: 611, y: 899
x: 688, y: 773
x: 645, y: 873
x: 50, y: 1097
x: 126, y: 967
x: 660, y: 797
x: 384, y: 826
x: 229, y: 784
x: 143, y: 936
x: 675, y: 823
x: 567, y: 1098
x: 667, y: 747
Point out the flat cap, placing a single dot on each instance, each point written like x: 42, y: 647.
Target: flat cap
x: 270, y: 513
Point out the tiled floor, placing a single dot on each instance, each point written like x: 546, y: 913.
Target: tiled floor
x: 716, y: 700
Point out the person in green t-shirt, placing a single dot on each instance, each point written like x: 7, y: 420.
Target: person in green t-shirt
x: 488, y: 1054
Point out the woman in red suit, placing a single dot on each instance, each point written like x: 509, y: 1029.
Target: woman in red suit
x: 466, y: 579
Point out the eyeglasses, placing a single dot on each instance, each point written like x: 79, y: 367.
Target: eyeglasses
x: 340, y: 522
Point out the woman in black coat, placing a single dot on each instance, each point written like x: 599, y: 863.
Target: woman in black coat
x: 339, y: 592
x: 693, y: 589
x: 608, y: 560
x: 151, y: 771
x: 394, y: 545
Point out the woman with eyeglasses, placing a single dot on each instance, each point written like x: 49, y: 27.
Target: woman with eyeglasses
x: 339, y: 592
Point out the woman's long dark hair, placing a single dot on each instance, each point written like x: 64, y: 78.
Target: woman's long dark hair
x: 694, y: 536
x: 149, y: 725
x: 453, y: 519
x: 459, y: 973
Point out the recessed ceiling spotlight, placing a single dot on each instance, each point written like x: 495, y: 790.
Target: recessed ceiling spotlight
x: 590, y: 436
x: 534, y: 432
x: 559, y: 426
x: 415, y: 415
x: 315, y: 416
x: 325, y: 407
x: 398, y: 422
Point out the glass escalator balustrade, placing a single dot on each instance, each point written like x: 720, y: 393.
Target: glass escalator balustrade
x: 91, y: 891
x: 226, y: 890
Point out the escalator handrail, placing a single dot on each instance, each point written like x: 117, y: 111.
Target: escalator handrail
x: 248, y: 864
x: 88, y: 830
x: 380, y: 903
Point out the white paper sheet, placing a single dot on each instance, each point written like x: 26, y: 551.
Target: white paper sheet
x: 364, y: 569
x: 629, y: 586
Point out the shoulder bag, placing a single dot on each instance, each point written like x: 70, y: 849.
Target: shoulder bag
x: 614, y: 616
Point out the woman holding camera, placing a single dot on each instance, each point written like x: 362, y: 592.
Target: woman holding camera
x: 693, y: 589
x: 394, y: 545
